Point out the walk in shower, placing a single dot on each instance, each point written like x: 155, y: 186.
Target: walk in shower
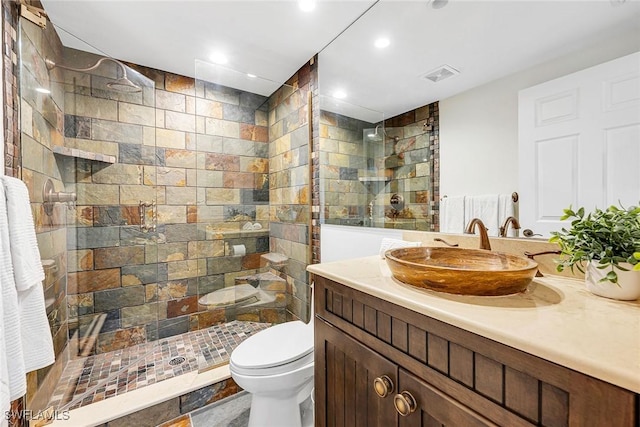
x: 166, y: 237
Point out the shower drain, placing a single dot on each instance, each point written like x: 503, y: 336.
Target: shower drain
x: 177, y: 361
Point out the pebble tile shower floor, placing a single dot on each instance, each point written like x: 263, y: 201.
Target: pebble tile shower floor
x: 95, y: 378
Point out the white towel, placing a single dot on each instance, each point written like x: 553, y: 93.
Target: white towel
x: 27, y: 267
x: 452, y: 219
x: 37, y: 344
x: 506, y: 209
x: 485, y: 208
x: 10, y: 319
x: 5, y: 390
x: 388, y: 243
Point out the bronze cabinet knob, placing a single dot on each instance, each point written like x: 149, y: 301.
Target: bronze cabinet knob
x: 383, y: 386
x: 405, y: 403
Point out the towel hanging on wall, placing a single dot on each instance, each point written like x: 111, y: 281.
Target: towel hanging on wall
x: 35, y: 333
x: 14, y: 358
x: 25, y: 256
x: 452, y: 219
x: 491, y: 209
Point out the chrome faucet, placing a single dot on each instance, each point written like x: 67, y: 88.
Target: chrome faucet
x: 484, y: 237
x: 505, y: 226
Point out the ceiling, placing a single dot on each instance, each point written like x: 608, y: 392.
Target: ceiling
x: 270, y: 39
x: 484, y: 40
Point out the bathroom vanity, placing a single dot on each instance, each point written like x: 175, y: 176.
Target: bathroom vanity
x: 388, y: 354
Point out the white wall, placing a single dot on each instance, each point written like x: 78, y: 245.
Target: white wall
x: 338, y: 242
x: 479, y: 127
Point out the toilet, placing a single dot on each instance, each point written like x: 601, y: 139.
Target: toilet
x: 276, y: 367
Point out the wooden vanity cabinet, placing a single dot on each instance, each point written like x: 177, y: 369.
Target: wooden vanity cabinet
x: 454, y: 377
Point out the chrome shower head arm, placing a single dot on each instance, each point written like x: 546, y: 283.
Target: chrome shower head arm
x: 384, y: 131
x: 51, y: 65
x: 122, y: 84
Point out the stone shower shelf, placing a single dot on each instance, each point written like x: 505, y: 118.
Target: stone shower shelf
x: 82, y: 154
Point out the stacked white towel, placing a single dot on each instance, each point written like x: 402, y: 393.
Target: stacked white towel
x: 28, y: 344
x: 16, y: 379
x: 388, y: 243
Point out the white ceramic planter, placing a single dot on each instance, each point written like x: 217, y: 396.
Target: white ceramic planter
x: 627, y: 289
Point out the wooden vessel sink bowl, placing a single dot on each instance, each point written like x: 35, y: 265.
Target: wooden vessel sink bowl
x: 461, y: 271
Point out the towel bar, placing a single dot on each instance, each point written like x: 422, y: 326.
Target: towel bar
x: 514, y: 197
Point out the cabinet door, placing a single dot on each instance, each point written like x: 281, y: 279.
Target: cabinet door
x: 345, y: 372
x: 434, y: 408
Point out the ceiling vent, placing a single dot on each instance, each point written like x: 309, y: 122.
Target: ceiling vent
x: 440, y: 73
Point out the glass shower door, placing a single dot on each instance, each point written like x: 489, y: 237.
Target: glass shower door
x: 89, y: 155
x: 232, y: 213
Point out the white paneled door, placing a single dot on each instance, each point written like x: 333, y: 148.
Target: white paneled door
x: 579, y: 143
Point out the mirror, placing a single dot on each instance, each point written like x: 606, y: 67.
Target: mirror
x: 491, y: 50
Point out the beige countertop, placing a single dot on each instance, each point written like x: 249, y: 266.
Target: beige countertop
x: 556, y: 319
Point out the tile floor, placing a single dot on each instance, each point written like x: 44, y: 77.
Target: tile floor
x: 232, y: 411
x: 102, y: 376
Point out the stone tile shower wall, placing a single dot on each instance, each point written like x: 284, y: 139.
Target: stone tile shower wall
x: 201, y: 152
x: 290, y: 184
x: 41, y: 130
x: 11, y: 161
x: 345, y: 170
x: 412, y: 164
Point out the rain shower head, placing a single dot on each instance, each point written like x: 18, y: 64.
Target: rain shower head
x: 375, y: 137
x: 121, y: 84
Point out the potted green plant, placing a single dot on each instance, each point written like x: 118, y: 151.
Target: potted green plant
x: 605, y: 245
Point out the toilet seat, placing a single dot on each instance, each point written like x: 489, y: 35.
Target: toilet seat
x: 281, y: 348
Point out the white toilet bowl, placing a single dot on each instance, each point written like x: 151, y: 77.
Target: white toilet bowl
x: 276, y: 367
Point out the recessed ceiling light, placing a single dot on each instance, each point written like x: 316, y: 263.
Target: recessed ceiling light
x: 307, y: 5
x: 382, y: 42
x: 339, y: 94
x: 251, y: 76
x: 43, y: 90
x: 219, y: 58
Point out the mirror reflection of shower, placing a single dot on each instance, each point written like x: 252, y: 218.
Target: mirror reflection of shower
x: 120, y: 84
